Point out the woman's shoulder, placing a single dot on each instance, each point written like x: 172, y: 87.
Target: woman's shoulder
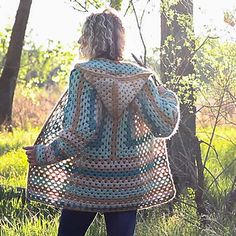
x: 101, y: 65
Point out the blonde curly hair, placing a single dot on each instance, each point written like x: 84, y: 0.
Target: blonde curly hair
x: 103, y: 35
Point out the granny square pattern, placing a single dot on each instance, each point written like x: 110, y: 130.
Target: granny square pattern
x: 103, y: 148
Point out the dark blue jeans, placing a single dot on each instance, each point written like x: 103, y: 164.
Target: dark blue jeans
x: 76, y: 223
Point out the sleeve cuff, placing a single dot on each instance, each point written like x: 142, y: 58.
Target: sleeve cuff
x: 56, y: 151
x: 44, y: 154
x: 40, y: 157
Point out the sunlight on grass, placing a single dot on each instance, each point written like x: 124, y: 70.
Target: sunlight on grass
x: 30, y: 227
x: 221, y: 161
x: 13, y: 163
x: 13, y: 169
x: 17, y: 139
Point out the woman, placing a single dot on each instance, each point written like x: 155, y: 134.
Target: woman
x: 106, y: 152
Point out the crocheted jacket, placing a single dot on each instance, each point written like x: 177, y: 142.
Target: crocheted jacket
x: 103, y: 147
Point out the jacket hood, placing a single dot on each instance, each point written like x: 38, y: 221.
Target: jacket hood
x: 117, y: 83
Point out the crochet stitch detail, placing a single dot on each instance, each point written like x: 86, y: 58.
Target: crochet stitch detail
x: 103, y: 147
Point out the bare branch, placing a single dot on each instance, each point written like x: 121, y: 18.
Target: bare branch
x: 83, y: 8
x: 137, y: 60
x: 126, y: 11
x: 223, y: 171
x: 191, y: 57
x: 140, y: 33
x: 216, y: 153
x: 233, y: 97
x: 143, y: 13
x: 227, y: 120
x: 214, y: 179
x: 216, y: 120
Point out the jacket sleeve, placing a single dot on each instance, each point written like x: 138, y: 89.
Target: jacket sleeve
x: 81, y: 118
x: 160, y: 110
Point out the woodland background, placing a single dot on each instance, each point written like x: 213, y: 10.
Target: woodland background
x: 200, y: 69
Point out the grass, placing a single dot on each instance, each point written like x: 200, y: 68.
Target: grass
x: 19, y: 217
x: 221, y: 162
x: 13, y: 163
x: 28, y: 111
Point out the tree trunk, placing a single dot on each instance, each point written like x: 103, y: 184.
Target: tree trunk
x: 177, y: 47
x: 12, y: 64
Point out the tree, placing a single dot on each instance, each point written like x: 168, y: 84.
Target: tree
x: 12, y: 63
x: 177, y: 72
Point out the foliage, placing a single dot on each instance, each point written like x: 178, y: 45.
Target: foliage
x: 215, y: 67
x: 177, y: 49
x: 32, y: 105
x: 230, y: 17
x: 45, y: 67
x: 116, y: 4
x: 4, y: 41
x: 40, y: 65
x: 214, y: 60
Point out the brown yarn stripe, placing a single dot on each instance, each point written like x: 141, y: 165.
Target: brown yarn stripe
x: 127, y: 184
x: 115, y: 119
x: 162, y: 115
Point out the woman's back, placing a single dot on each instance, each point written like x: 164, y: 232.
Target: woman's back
x: 103, y: 147
x: 114, y: 131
